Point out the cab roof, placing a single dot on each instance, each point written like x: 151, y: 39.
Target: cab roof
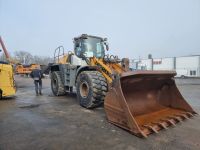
x: 84, y: 36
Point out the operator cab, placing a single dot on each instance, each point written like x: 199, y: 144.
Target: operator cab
x: 90, y: 46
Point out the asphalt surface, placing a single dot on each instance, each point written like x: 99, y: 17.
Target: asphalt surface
x: 47, y: 122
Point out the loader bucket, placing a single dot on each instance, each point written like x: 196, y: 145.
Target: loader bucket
x: 144, y: 102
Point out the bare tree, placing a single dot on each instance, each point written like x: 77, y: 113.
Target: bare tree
x: 42, y: 60
x: 27, y: 58
x: 23, y: 57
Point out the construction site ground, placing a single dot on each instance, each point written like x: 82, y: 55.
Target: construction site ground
x: 47, y: 122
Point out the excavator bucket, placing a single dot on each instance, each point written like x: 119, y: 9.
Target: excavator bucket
x: 144, y: 102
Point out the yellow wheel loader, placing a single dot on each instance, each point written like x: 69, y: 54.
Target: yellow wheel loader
x: 7, y: 84
x: 142, y: 102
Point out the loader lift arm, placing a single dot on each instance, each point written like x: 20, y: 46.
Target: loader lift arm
x: 106, y: 70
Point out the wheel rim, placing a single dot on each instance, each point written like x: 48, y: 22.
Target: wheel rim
x: 84, y: 89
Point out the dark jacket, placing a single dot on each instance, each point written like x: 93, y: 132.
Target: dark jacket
x: 36, y: 74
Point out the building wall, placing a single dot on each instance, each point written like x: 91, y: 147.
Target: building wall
x: 143, y: 64
x: 184, y: 66
x: 164, y: 64
x: 133, y: 64
x: 187, y: 62
x: 188, y: 66
x: 147, y: 63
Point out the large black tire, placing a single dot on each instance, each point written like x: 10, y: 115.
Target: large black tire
x: 91, y: 89
x: 57, y: 85
x: 1, y: 93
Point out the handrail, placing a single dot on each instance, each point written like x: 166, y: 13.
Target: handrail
x: 57, y: 52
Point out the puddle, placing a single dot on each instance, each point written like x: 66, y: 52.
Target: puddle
x: 30, y: 106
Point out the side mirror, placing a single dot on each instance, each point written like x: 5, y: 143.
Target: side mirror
x: 107, y: 45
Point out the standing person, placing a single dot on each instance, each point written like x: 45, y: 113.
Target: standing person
x: 37, y: 75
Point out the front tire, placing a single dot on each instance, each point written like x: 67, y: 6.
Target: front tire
x: 91, y: 89
x: 57, y: 85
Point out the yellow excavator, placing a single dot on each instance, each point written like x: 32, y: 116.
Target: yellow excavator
x: 7, y: 82
x: 142, y: 102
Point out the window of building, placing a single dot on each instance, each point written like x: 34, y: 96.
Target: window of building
x: 157, y: 62
x: 193, y: 72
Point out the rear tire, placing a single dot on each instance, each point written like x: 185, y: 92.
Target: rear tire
x: 91, y: 89
x: 57, y: 85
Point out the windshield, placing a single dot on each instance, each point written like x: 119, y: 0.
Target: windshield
x: 93, y: 47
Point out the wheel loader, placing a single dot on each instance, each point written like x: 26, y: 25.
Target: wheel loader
x: 7, y: 82
x: 142, y: 102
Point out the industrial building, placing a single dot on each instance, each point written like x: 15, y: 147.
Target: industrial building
x: 185, y: 66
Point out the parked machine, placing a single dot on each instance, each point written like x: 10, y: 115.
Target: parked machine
x: 7, y: 84
x: 141, y: 102
x: 25, y: 69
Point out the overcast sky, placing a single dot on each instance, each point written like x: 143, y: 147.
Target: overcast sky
x: 134, y: 28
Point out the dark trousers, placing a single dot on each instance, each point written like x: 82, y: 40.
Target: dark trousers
x: 38, y: 86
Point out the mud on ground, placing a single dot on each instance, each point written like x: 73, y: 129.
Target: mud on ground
x: 48, y: 122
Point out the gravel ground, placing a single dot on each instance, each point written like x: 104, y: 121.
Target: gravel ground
x: 47, y: 122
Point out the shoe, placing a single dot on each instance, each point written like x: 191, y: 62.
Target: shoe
x: 37, y: 94
x: 40, y: 93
